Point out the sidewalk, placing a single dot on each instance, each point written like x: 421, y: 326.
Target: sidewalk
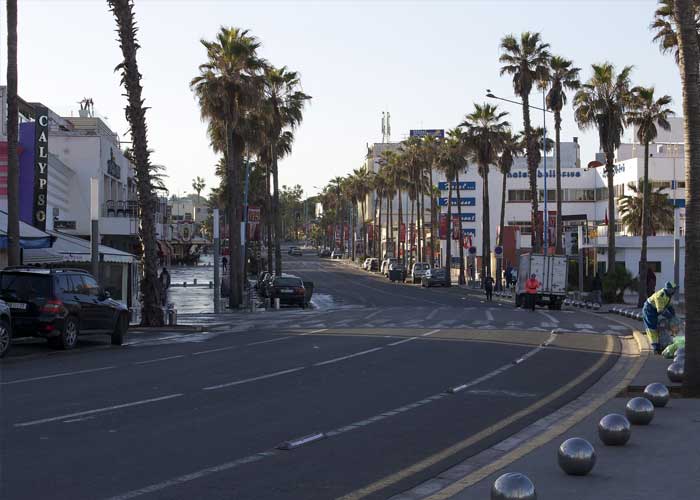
x: 661, y: 460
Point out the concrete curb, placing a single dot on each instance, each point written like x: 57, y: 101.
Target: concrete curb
x: 633, y: 353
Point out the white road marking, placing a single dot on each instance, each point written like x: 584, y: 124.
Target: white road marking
x: 489, y: 315
x: 156, y: 360
x: 372, y: 315
x: 550, y: 317
x: 433, y: 313
x: 430, y: 333
x: 354, y: 355
x: 402, y: 341
x: 64, y: 374
x: 98, y: 410
x: 228, y: 348
x: 320, y: 330
x: 583, y: 326
x: 619, y: 327
x: 193, y: 476
x: 253, y: 379
x: 272, y: 340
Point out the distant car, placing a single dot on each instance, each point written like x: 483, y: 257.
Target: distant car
x: 296, y: 251
x: 60, y: 304
x: 289, y: 250
x: 365, y: 264
x: 418, y: 270
x: 373, y: 265
x: 324, y: 252
x: 398, y: 267
x: 336, y: 254
x: 5, y: 328
x: 433, y: 277
x: 289, y: 289
x: 384, y: 269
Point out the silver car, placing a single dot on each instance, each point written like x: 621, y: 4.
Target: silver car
x: 5, y: 328
x: 418, y: 271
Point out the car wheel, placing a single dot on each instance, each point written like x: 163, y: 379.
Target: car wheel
x: 119, y: 333
x: 5, y: 337
x: 69, y: 335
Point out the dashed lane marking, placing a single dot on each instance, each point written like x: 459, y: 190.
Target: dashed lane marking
x: 56, y: 375
x: 549, y: 316
x: 583, y: 326
x: 253, y: 379
x: 157, y: 360
x: 489, y: 315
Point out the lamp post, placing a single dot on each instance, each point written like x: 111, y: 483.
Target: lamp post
x: 545, y: 216
x: 95, y: 227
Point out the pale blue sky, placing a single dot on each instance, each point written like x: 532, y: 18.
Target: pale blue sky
x: 425, y: 62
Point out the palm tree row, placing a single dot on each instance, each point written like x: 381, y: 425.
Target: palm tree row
x: 252, y: 109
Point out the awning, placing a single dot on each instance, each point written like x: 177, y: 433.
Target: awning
x: 29, y: 236
x: 74, y: 249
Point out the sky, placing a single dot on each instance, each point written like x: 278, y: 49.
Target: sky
x: 426, y: 63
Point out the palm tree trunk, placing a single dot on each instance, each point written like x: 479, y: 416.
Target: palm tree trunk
x: 557, y: 132
x: 448, y: 240
x: 609, y: 169
x: 277, y: 216
x: 268, y: 218
x: 486, y: 263
x: 390, y: 213
x: 531, y: 173
x: 645, y: 231
x: 432, y: 216
x: 234, y: 155
x: 378, y: 234
x: 13, y: 252
x: 689, y: 63
x: 352, y: 233
x: 462, y: 279
x: 151, y: 310
x: 419, y: 250
x: 401, y: 245
x: 499, y: 262
x: 411, y: 233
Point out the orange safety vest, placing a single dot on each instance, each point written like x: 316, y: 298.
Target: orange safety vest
x: 531, y: 285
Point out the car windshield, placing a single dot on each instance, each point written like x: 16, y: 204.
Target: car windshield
x: 25, y: 286
x: 438, y: 272
x: 288, y: 282
x: 421, y: 266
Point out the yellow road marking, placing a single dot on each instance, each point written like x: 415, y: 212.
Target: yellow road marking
x: 466, y: 443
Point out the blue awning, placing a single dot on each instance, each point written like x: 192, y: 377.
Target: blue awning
x: 29, y: 236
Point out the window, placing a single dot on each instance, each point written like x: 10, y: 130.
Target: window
x: 515, y: 195
x: 654, y: 266
x: 25, y: 286
x: 89, y: 285
x: 64, y: 285
x: 288, y: 282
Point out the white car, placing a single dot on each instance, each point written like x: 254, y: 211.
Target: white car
x: 418, y: 271
x: 384, y: 269
x: 365, y: 264
x: 336, y: 254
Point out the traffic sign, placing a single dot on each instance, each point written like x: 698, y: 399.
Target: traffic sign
x: 498, y: 251
x: 472, y: 250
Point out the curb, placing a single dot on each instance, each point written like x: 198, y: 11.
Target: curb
x: 633, y: 354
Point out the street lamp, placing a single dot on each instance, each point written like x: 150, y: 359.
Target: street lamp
x: 545, y: 216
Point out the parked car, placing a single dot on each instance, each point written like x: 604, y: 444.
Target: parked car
x: 61, y: 304
x: 385, y: 265
x: 296, y: 251
x: 373, y: 265
x: 289, y: 289
x: 435, y: 276
x: 324, y: 252
x: 336, y: 254
x: 262, y: 276
x: 365, y: 264
x: 5, y: 328
x: 418, y: 270
x: 397, y: 267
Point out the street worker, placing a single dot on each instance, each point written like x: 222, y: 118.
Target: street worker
x: 488, y: 287
x: 531, y: 286
x: 164, y: 285
x: 659, y: 304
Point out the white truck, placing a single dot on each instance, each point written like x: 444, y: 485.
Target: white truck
x: 551, y: 272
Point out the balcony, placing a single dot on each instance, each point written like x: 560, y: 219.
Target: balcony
x: 120, y: 208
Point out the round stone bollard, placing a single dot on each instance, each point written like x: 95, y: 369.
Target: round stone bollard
x: 658, y: 394
x: 639, y: 411
x: 680, y: 351
x: 614, y: 430
x: 576, y: 456
x: 679, y: 359
x: 676, y: 371
x: 512, y: 486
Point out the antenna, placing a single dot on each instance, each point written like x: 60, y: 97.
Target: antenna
x: 388, y: 126
x: 383, y: 127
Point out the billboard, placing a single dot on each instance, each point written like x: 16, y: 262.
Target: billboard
x: 435, y: 132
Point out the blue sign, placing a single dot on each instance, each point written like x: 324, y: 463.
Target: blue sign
x: 498, y: 250
x: 522, y: 174
x: 472, y: 250
x: 465, y: 202
x: 463, y: 185
x: 678, y: 202
x: 468, y: 217
x: 469, y: 231
x: 435, y: 132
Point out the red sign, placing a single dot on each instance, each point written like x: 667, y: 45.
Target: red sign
x: 551, y: 227
x: 455, y: 227
x: 370, y: 232
x: 402, y: 233
x: 443, y: 227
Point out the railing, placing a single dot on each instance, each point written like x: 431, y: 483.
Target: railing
x: 120, y: 208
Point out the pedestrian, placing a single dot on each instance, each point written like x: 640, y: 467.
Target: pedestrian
x: 658, y: 304
x: 164, y: 285
x: 531, y: 286
x: 597, y: 289
x: 513, y: 277
x: 651, y: 282
x: 224, y: 263
x: 508, y: 275
x: 488, y: 287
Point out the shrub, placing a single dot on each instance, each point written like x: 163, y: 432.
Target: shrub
x: 615, y: 283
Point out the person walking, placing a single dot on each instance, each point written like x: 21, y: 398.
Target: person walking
x: 658, y: 304
x: 488, y: 287
x: 164, y: 285
x: 531, y: 286
x: 224, y: 263
x: 597, y: 289
x: 508, y: 275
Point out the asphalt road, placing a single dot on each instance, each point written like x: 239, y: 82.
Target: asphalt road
x: 202, y: 415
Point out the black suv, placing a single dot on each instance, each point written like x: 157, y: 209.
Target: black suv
x: 289, y: 289
x: 60, y: 304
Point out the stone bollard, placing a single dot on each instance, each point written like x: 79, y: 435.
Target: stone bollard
x: 211, y: 284
x: 576, y: 456
x: 513, y: 485
x: 195, y: 281
x: 277, y: 303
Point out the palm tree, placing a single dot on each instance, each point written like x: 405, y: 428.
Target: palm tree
x: 646, y: 113
x: 283, y: 103
x: 151, y: 313
x: 429, y: 146
x: 527, y: 60
x: 448, y: 162
x: 659, y: 217
x: 228, y: 87
x: 198, y: 184
x: 664, y: 26
x: 485, y: 129
x: 511, y: 147
x: 379, y: 185
x: 562, y: 77
x: 13, y: 252
x: 685, y: 18
x: 452, y: 159
x: 602, y: 102
x: 337, y: 187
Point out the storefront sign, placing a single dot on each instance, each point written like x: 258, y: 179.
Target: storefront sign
x: 465, y: 202
x: 522, y: 174
x: 463, y: 185
x: 428, y: 132
x: 41, y: 166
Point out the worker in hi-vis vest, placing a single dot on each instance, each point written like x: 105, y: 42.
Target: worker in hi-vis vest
x: 659, y: 304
